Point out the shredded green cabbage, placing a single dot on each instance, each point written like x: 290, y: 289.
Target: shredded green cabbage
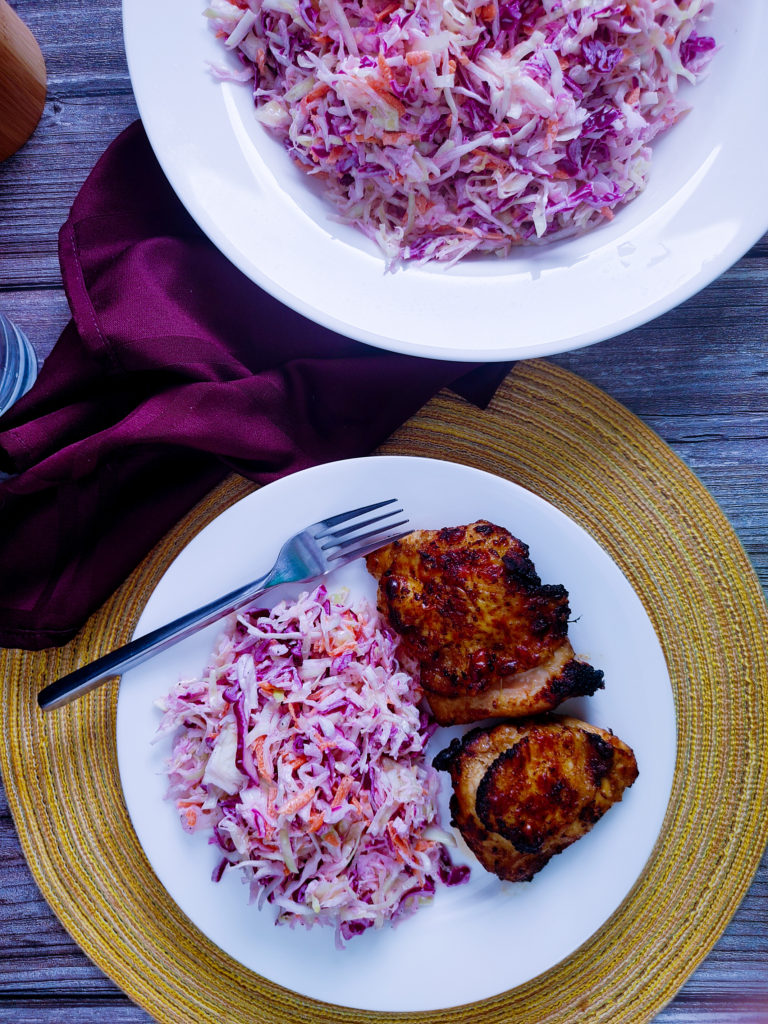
x: 301, y: 751
x: 443, y: 127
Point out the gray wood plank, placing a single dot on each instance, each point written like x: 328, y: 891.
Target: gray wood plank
x: 104, y: 1009
x: 81, y: 43
x: 698, y: 376
x: 98, y: 1011
x: 39, y: 183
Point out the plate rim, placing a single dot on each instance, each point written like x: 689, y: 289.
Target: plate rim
x: 724, y: 257
x: 348, y: 469
x: 60, y: 775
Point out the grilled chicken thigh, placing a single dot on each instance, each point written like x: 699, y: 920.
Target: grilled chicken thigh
x: 525, y: 791
x: 491, y: 640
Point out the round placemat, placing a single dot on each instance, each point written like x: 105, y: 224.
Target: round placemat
x: 562, y: 438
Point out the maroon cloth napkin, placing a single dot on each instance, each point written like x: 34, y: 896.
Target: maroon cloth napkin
x: 174, y: 370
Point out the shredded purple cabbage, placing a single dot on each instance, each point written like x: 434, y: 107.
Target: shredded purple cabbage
x: 301, y: 751
x: 444, y: 127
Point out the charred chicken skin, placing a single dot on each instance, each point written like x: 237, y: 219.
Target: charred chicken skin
x: 491, y: 640
x: 523, y: 792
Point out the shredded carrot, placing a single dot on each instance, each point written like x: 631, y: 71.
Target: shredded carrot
x: 392, y: 138
x: 318, y: 695
x: 341, y: 791
x: 335, y: 154
x: 294, y: 716
x: 318, y: 92
x: 492, y: 160
x: 316, y: 821
x: 325, y: 744
x: 358, y: 806
x: 417, y: 57
x: 389, y: 9
x: 384, y: 69
x: 388, y: 97
x: 258, y: 749
x: 400, y: 845
x: 497, y: 236
x: 297, y: 802
x: 350, y: 645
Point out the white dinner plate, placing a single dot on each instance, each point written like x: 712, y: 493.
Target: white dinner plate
x: 703, y: 209
x: 475, y: 940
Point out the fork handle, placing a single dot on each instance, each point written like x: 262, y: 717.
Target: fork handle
x: 137, y: 651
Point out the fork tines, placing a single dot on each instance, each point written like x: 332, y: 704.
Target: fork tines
x: 357, y: 539
x: 345, y: 517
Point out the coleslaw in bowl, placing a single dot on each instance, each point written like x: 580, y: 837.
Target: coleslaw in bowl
x: 690, y: 223
x: 441, y: 128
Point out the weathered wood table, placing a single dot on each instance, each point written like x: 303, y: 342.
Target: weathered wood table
x: 698, y: 376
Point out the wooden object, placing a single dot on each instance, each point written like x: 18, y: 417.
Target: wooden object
x: 22, y: 81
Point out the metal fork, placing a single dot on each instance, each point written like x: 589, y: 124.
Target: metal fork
x: 312, y: 552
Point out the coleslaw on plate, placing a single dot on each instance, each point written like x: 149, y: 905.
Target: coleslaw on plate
x: 300, y: 750
x: 445, y: 127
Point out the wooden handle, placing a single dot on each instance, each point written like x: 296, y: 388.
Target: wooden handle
x: 22, y: 81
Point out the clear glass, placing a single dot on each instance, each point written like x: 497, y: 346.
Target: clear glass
x: 18, y: 363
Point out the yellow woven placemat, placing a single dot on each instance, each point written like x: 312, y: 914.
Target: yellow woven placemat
x: 568, y: 442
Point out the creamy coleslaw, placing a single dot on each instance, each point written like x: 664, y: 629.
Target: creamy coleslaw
x: 300, y: 751
x: 445, y: 127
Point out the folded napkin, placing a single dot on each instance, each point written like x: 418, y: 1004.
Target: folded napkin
x: 174, y: 370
